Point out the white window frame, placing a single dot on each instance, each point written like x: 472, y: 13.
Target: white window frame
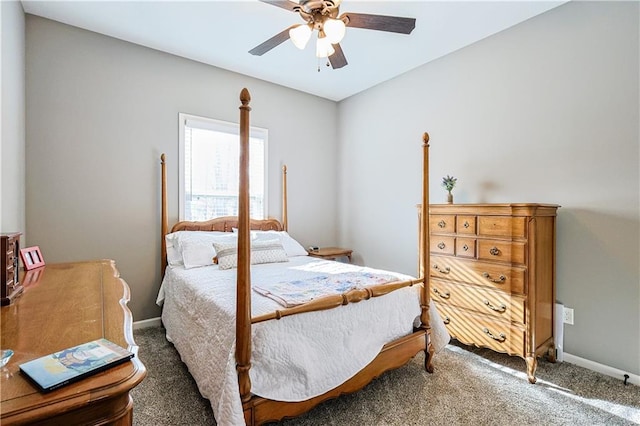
x: 224, y: 126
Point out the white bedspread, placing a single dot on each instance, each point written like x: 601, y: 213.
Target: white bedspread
x: 293, y: 359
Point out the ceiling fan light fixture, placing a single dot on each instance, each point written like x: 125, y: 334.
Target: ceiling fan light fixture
x: 324, y: 16
x: 324, y: 48
x: 334, y: 30
x: 300, y: 35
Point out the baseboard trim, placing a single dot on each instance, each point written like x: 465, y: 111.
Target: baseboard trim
x: 601, y: 368
x: 151, y: 322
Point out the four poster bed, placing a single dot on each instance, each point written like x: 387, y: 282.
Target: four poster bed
x: 279, y: 352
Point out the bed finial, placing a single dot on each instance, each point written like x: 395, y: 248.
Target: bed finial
x: 245, y: 97
x: 425, y: 138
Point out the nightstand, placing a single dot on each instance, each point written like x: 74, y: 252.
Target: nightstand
x: 331, y: 253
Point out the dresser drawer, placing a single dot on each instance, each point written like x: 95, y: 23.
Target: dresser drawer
x: 442, y: 244
x: 501, y: 226
x: 466, y: 225
x: 496, y: 304
x: 442, y: 223
x: 11, y: 245
x: 502, y: 251
x: 480, y: 330
x: 11, y: 258
x: 507, y: 278
x: 10, y: 276
x: 466, y: 247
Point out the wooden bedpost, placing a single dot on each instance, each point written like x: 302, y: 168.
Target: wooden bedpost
x: 165, y: 217
x: 425, y: 295
x: 285, y: 218
x: 243, y: 295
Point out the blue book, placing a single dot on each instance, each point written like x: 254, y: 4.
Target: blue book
x: 67, y: 366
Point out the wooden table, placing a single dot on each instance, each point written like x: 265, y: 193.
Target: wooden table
x: 64, y: 305
x: 331, y: 253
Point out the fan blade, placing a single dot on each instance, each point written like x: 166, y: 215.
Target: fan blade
x: 337, y: 59
x: 394, y: 24
x: 274, y: 41
x: 285, y: 4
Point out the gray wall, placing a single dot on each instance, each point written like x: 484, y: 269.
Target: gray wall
x: 546, y: 112
x: 101, y: 111
x: 12, y: 155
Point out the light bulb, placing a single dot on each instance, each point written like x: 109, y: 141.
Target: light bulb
x: 300, y: 35
x: 324, y: 48
x: 334, y: 30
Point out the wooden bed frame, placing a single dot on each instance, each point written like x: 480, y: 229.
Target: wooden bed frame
x: 258, y: 410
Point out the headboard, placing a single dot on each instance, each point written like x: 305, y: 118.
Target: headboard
x: 226, y: 223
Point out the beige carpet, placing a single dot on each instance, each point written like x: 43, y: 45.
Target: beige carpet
x: 469, y: 386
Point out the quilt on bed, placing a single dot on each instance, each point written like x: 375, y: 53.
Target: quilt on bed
x: 289, y: 356
x: 299, y: 291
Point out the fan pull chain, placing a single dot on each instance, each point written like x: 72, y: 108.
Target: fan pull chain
x: 328, y: 64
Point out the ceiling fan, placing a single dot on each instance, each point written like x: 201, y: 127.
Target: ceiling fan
x: 323, y: 16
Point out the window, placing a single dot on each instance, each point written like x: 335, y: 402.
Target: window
x: 209, y: 163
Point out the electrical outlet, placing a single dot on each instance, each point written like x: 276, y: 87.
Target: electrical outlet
x: 568, y: 316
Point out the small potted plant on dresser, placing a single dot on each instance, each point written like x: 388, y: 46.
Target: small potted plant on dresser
x: 449, y: 182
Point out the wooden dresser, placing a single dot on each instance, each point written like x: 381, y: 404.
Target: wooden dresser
x: 493, y: 276
x: 64, y: 305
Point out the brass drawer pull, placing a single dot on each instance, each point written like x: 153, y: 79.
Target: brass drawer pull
x: 441, y: 246
x: 500, y: 279
x: 495, y: 251
x: 444, y: 295
x: 465, y: 247
x: 466, y: 224
x: 442, y: 224
x: 500, y: 308
x: 442, y: 271
x: 501, y: 338
x: 446, y: 320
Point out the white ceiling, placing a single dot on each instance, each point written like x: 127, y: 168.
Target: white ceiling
x: 221, y: 33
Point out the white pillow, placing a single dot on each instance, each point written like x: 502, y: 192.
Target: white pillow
x: 196, y: 244
x: 291, y: 246
x: 262, y: 251
x: 195, y: 254
x: 174, y: 258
